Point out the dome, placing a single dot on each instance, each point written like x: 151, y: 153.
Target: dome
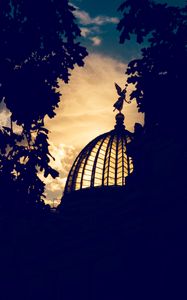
x: 104, y: 161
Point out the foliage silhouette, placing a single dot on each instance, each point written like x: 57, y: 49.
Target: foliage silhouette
x: 38, y: 48
x: 159, y: 75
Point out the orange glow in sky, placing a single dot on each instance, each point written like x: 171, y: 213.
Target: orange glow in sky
x: 86, y: 110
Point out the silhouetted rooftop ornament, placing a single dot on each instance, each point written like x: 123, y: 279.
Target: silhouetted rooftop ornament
x: 121, y: 93
x: 104, y: 161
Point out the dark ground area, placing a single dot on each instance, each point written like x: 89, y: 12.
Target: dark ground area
x: 131, y: 248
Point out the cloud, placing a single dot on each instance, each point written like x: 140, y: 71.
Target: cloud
x: 85, y: 31
x: 4, y: 118
x: 100, y: 20
x: 4, y: 115
x: 96, y: 41
x: 91, y: 27
x: 85, y: 19
x: 64, y: 156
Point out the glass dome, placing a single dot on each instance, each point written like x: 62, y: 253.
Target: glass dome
x: 104, y: 161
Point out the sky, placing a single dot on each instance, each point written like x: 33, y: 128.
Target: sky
x: 85, y: 109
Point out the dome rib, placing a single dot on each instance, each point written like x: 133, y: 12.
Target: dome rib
x: 83, y: 163
x: 116, y: 165
x: 122, y: 158
x: 85, y: 166
x: 105, y: 158
x: 126, y: 157
x: 109, y: 160
x: 95, y: 162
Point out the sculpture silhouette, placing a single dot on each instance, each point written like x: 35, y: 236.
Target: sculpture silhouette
x: 119, y: 103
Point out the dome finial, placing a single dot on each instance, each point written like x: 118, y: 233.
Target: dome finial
x: 120, y: 121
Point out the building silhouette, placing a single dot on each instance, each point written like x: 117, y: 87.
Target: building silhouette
x: 119, y: 232
x: 124, y: 222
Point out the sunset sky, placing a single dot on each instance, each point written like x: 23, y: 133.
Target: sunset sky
x: 86, y: 104
x: 86, y: 107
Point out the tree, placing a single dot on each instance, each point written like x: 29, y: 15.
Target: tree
x: 159, y: 76
x: 38, y: 48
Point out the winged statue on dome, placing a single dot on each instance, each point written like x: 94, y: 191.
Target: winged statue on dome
x: 122, y: 95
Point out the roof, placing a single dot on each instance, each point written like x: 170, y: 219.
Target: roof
x: 104, y: 161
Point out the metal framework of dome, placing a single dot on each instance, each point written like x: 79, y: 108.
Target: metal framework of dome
x: 104, y: 161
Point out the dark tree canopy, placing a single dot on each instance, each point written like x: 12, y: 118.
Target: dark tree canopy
x: 159, y: 76
x: 38, y: 48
